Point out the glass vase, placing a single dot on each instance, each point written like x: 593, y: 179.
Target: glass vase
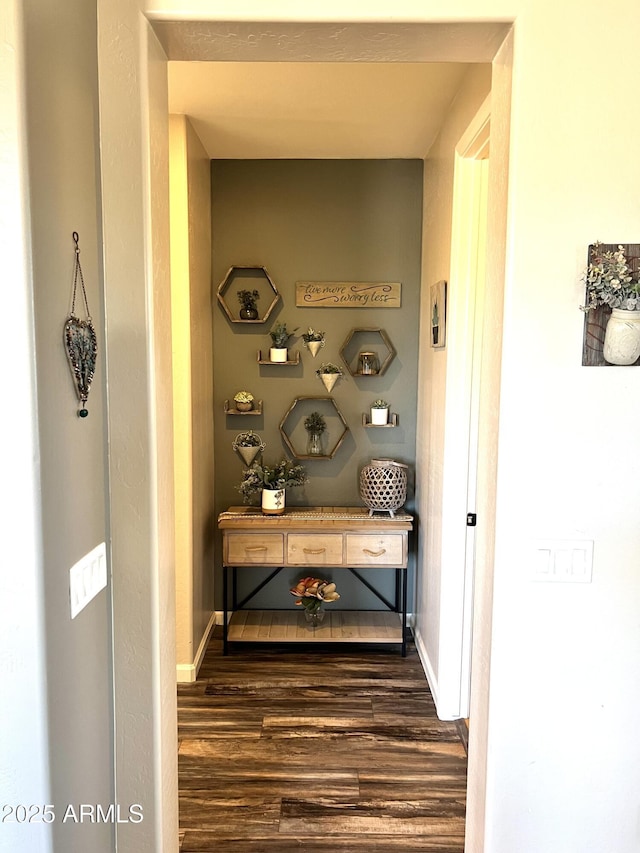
x: 314, y: 445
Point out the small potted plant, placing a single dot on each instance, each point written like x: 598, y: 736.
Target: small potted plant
x: 379, y: 412
x: 329, y: 373
x: 249, y: 309
x: 279, y: 342
x: 611, y: 283
x: 315, y: 425
x: 270, y: 482
x: 248, y: 445
x: 243, y: 401
x: 313, y: 340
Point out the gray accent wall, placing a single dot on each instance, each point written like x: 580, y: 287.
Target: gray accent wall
x: 316, y: 220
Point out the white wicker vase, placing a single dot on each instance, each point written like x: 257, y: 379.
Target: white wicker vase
x: 273, y: 501
x: 383, y: 485
x: 622, y: 337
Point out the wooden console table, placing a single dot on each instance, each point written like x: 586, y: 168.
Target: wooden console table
x: 346, y: 538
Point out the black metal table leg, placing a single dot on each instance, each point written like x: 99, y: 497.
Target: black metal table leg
x: 225, y: 627
x: 404, y: 613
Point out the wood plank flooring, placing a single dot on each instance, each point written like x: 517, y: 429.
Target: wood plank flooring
x: 328, y: 749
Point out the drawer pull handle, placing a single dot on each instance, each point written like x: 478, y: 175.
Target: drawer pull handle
x: 255, y: 548
x: 375, y: 553
x: 314, y: 550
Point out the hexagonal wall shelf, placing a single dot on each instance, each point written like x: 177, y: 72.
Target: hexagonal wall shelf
x: 248, y: 278
x: 369, y: 339
x: 295, y: 435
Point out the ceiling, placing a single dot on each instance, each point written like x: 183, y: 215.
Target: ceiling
x: 313, y: 90
x: 314, y: 110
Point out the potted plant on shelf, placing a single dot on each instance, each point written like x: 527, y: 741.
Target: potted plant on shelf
x: 243, y: 401
x: 279, y: 342
x: 271, y: 482
x: 379, y: 412
x: 313, y: 340
x: 249, y: 309
x: 329, y: 373
x: 315, y: 425
x: 312, y: 593
x: 248, y: 445
x: 610, y: 283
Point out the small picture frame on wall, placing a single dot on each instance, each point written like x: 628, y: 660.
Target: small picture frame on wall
x: 438, y: 314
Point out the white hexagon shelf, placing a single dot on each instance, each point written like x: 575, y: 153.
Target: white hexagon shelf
x: 248, y: 278
x: 295, y: 435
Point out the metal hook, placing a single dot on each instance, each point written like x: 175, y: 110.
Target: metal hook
x: 76, y: 238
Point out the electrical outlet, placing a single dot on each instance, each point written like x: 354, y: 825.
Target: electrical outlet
x: 86, y: 578
x: 562, y: 561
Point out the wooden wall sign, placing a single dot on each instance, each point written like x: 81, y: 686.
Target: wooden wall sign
x: 348, y: 294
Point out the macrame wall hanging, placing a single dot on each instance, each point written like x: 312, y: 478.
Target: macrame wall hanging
x: 80, y: 339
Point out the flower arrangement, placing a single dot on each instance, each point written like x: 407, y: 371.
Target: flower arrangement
x: 312, y: 592
x: 328, y: 367
x: 283, y: 475
x: 315, y: 423
x: 280, y: 335
x: 243, y: 397
x: 609, y: 279
x: 312, y: 335
x: 248, y: 299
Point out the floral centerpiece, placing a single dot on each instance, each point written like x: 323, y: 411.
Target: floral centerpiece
x: 312, y: 593
x: 613, y: 284
x: 270, y: 482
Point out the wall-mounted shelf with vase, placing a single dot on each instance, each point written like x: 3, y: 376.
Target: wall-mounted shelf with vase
x: 290, y: 361
x: 246, y: 277
x: 230, y: 409
x: 295, y: 435
x: 367, y: 351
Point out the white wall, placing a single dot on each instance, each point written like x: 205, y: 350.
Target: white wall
x: 193, y: 392
x: 556, y: 651
x: 437, y: 603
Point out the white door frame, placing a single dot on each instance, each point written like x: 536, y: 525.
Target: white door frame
x: 134, y: 175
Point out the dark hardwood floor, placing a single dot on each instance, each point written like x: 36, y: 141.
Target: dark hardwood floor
x: 327, y: 749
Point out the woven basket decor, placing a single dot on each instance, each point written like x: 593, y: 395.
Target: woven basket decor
x: 383, y: 485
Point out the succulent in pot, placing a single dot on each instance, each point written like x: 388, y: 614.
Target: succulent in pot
x: 248, y: 299
x: 280, y: 336
x: 379, y: 412
x: 243, y: 401
x: 329, y: 373
x: 313, y: 340
x: 248, y: 444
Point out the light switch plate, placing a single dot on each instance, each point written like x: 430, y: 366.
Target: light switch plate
x: 562, y: 561
x: 86, y: 578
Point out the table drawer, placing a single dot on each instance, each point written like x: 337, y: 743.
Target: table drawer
x: 261, y: 549
x: 366, y: 549
x: 314, y: 549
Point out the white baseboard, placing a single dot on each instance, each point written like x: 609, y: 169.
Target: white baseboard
x: 426, y: 665
x: 188, y: 672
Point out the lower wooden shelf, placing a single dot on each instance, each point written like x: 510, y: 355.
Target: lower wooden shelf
x: 339, y: 626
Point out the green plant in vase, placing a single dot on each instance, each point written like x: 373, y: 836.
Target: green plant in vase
x: 271, y: 482
x: 247, y: 300
x: 315, y: 425
x: 329, y: 373
x: 313, y: 340
x: 280, y: 337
